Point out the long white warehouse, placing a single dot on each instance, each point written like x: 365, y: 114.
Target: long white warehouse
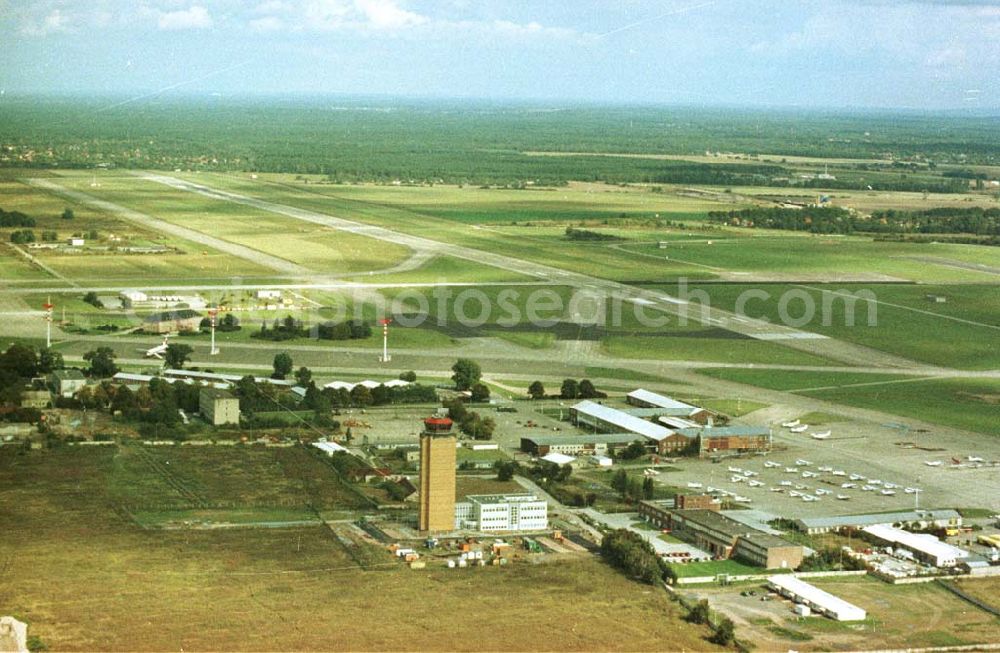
x: 818, y: 600
x: 603, y: 418
x: 926, y: 548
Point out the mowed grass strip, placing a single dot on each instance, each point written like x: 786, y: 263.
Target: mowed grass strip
x: 898, y: 319
x: 316, y: 247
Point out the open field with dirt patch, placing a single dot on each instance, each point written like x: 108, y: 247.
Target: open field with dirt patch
x: 85, y: 579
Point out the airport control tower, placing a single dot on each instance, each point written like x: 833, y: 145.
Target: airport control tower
x: 437, y: 475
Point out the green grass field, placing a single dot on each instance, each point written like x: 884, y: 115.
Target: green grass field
x: 792, y: 380
x: 317, y: 248
x: 961, y: 403
x: 714, y: 568
x: 903, y: 321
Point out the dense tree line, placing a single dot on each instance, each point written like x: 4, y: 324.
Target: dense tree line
x: 837, y: 220
x: 470, y: 422
x: 15, y: 219
x: 631, y: 553
x: 19, y: 364
x: 586, y: 235
x: 290, y: 328
x: 432, y: 142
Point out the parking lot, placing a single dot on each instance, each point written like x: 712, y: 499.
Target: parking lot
x: 870, y: 460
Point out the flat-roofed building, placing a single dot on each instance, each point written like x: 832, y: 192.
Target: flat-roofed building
x: 726, y: 538
x: 593, y: 443
x: 816, y: 599
x: 36, y: 399
x: 502, y: 512
x: 182, y: 319
x: 911, y: 518
x: 219, y: 406
x: 729, y: 439
x: 924, y: 547
x: 67, y: 383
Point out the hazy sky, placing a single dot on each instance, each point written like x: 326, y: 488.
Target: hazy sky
x: 821, y: 53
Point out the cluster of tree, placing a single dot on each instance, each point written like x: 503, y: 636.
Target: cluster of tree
x: 723, y: 632
x: 586, y: 235
x: 830, y: 559
x: 470, y: 422
x: 944, y: 220
x: 267, y: 397
x: 466, y: 373
x: 634, y: 450
x: 632, y: 554
x: 156, y: 403
x: 290, y: 328
x: 102, y: 362
x: 22, y: 236
x: 836, y: 220
x: 229, y: 322
x: 92, y: 299
x: 632, y: 489
x: 826, y: 219
x: 49, y: 236
x: 18, y: 365
x: 15, y: 219
x: 570, y: 389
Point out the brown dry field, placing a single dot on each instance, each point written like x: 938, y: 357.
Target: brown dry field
x: 86, y: 579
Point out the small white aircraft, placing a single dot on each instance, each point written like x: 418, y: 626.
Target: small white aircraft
x: 739, y: 499
x: 848, y: 486
x: 694, y: 485
x: 777, y: 489
x: 932, y: 463
x: 809, y: 497
x: 785, y: 483
x: 799, y: 429
x: 771, y: 463
x: 791, y: 424
x: 820, y: 436
x: 911, y: 490
x: 736, y: 470
x: 748, y: 473
x: 808, y: 474
x: 843, y: 497
x: 791, y: 470
x: 793, y: 493
x: 159, y: 350
x: 736, y: 479
x: 975, y: 459
x: 839, y: 472
x: 825, y: 469
x: 890, y: 486
x: 888, y: 493
x: 874, y: 481
x: 755, y: 483
x: 803, y: 462
x: 820, y: 491
x: 868, y: 488
x: 857, y: 477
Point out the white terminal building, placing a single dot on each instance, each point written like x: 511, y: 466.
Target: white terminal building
x: 817, y: 600
x: 924, y: 547
x: 502, y: 512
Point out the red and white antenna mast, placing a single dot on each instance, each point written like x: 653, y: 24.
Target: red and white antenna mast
x: 385, y: 340
x: 212, y: 312
x: 48, y: 306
